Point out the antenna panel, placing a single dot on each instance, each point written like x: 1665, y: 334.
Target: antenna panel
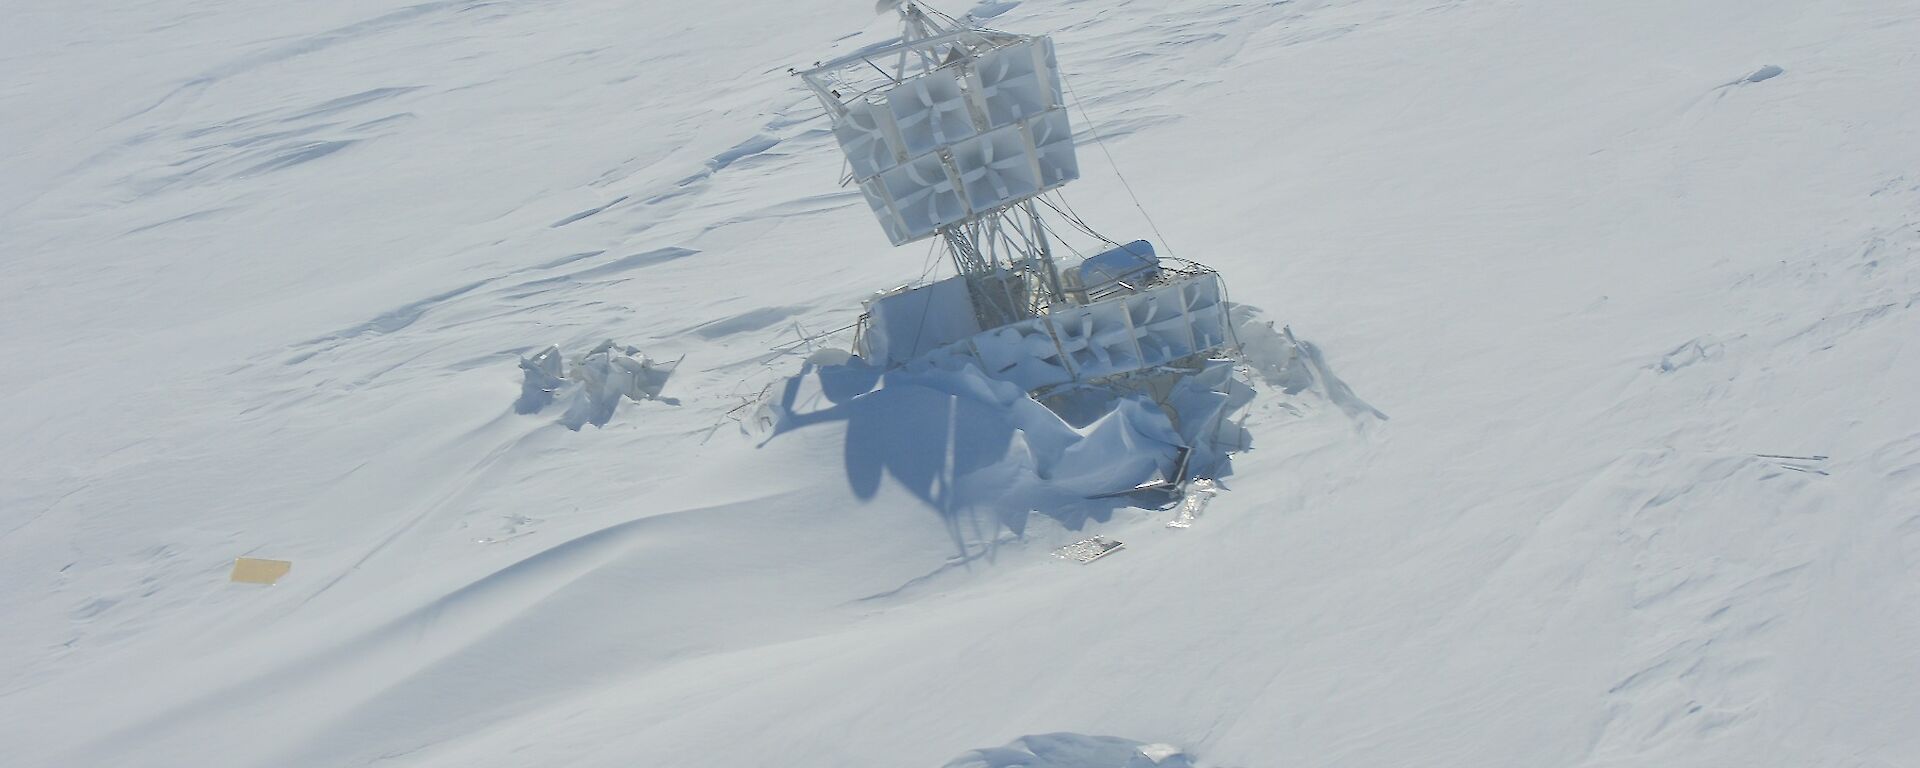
x: 910, y: 322
x: 868, y: 137
x: 931, y: 111
x: 983, y: 130
x: 997, y: 168
x: 1086, y: 342
x: 1053, y: 148
x: 924, y: 197
x: 882, y: 205
x: 1016, y: 82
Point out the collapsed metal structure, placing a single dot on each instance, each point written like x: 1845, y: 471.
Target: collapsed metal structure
x: 956, y: 132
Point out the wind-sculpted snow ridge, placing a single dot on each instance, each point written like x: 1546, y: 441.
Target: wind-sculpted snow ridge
x: 1293, y: 366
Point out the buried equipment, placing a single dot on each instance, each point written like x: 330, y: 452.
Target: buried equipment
x: 962, y: 135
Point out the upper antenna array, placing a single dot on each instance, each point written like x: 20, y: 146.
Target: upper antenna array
x: 966, y: 123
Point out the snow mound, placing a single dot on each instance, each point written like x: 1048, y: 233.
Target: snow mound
x: 966, y: 443
x: 1294, y: 366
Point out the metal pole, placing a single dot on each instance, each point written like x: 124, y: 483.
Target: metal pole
x: 1054, y: 291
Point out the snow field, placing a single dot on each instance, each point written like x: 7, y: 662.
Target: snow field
x: 269, y: 271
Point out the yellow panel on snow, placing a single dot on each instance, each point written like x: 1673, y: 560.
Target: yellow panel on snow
x: 253, y: 570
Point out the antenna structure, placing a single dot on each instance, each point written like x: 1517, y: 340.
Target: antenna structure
x: 950, y: 132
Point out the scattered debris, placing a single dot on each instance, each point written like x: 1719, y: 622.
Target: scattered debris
x: 1159, y: 753
x: 1075, y: 750
x: 1159, y: 483
x: 253, y: 570
x: 1808, y: 464
x: 593, y: 383
x: 1088, y: 550
x: 1199, y: 493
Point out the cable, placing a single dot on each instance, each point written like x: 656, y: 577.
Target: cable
x: 1061, y: 194
x: 1081, y: 105
x: 933, y: 248
x: 940, y: 13
x: 1063, y: 240
x: 1078, y: 224
x: 1073, y: 217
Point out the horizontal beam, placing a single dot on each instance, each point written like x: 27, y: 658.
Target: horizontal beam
x: 980, y: 35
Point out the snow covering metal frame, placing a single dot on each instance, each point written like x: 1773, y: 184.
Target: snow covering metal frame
x: 1180, y: 317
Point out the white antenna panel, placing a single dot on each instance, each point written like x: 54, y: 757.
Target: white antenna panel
x: 931, y: 111
x: 996, y: 169
x: 882, y: 205
x: 1082, y: 342
x: 971, y: 136
x: 1017, y: 82
x: 987, y: 172
x: 924, y: 196
x: 868, y: 137
x: 1053, y: 147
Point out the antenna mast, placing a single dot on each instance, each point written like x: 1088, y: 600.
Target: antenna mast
x: 954, y: 141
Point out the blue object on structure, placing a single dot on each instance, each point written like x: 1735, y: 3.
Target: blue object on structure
x: 1133, y: 263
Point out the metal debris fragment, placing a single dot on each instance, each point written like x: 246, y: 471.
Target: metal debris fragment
x: 1088, y: 550
x: 1199, y: 492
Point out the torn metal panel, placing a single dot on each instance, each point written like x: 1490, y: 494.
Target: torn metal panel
x: 1088, y: 550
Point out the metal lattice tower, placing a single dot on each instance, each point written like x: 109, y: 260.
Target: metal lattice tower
x: 950, y: 131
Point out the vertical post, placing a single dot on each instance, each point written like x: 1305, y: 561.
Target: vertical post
x: 1052, y: 272
x: 907, y: 30
x: 994, y: 305
x: 958, y: 251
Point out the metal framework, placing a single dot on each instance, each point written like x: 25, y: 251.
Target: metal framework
x: 950, y: 131
x: 954, y: 132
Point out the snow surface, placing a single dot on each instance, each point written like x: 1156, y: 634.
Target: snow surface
x: 269, y: 270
